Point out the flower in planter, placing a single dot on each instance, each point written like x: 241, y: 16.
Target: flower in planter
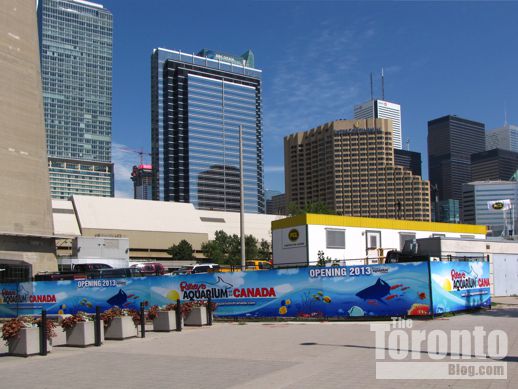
x: 71, y: 321
x: 108, y: 315
x: 11, y: 328
x: 153, y: 312
x: 186, y: 307
x: 51, y: 333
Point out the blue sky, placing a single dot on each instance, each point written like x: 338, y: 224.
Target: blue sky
x: 439, y: 58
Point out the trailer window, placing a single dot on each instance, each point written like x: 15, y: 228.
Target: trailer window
x: 335, y: 239
x: 403, y: 237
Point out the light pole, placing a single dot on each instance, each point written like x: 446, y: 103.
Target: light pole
x: 242, y: 197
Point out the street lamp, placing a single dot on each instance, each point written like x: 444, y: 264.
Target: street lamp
x: 242, y: 197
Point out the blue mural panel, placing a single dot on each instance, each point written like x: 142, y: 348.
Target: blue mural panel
x: 458, y: 286
x: 353, y: 291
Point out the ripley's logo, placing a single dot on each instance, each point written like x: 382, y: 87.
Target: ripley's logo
x: 497, y: 205
x: 221, y: 289
x: 293, y: 235
x: 461, y: 281
x: 13, y: 297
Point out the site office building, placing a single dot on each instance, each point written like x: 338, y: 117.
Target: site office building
x: 297, y: 240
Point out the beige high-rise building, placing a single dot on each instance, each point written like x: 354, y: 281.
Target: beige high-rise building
x: 26, y: 229
x: 349, y: 166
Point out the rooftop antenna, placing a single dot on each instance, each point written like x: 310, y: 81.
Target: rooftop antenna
x: 382, y: 85
x: 505, y: 114
x: 372, y: 89
x: 408, y: 144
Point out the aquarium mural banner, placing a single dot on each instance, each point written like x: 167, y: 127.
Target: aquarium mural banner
x: 352, y: 291
x: 459, y: 286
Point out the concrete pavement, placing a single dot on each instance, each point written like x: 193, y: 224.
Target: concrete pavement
x: 251, y: 355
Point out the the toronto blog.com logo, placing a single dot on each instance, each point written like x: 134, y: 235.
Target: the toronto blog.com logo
x: 404, y: 352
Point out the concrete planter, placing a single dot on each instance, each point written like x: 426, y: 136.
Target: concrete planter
x: 197, y: 317
x: 26, y: 343
x: 121, y: 328
x: 60, y: 339
x: 164, y: 321
x: 82, y: 334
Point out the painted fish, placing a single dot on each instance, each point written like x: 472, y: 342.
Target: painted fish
x: 317, y: 298
x: 320, y: 293
x: 221, y: 284
x: 375, y: 292
x: 419, y: 310
x: 89, y: 305
x: 326, y: 299
x: 405, y: 288
x: 372, y: 302
x: 118, y: 299
x: 356, y: 311
x: 422, y: 295
x: 130, y: 295
x: 395, y: 286
x: 390, y: 297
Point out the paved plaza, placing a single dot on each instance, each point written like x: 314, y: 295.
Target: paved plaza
x: 249, y: 355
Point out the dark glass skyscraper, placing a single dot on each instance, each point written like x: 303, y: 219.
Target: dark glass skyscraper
x: 451, y: 141
x: 410, y: 160
x: 493, y: 165
x: 76, y: 70
x: 198, y: 103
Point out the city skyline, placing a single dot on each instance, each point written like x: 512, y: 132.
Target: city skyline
x: 316, y: 68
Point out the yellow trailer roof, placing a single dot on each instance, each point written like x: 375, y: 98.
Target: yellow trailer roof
x: 369, y: 222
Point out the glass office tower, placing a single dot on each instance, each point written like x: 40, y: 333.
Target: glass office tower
x: 76, y: 70
x: 198, y: 103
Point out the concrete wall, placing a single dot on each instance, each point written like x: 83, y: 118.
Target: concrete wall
x: 25, y: 207
x: 151, y: 244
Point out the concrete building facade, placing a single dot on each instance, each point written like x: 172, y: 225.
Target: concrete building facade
x: 26, y: 229
x: 151, y: 226
x: 349, y: 166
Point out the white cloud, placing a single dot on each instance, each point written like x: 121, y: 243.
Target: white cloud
x: 288, y: 271
x: 274, y: 169
x: 61, y: 296
x: 320, y: 82
x: 284, y: 288
x: 236, y: 279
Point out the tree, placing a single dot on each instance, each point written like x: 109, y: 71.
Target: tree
x: 181, y: 251
x: 226, y: 249
x: 250, y: 247
x: 264, y: 250
x: 217, y: 249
